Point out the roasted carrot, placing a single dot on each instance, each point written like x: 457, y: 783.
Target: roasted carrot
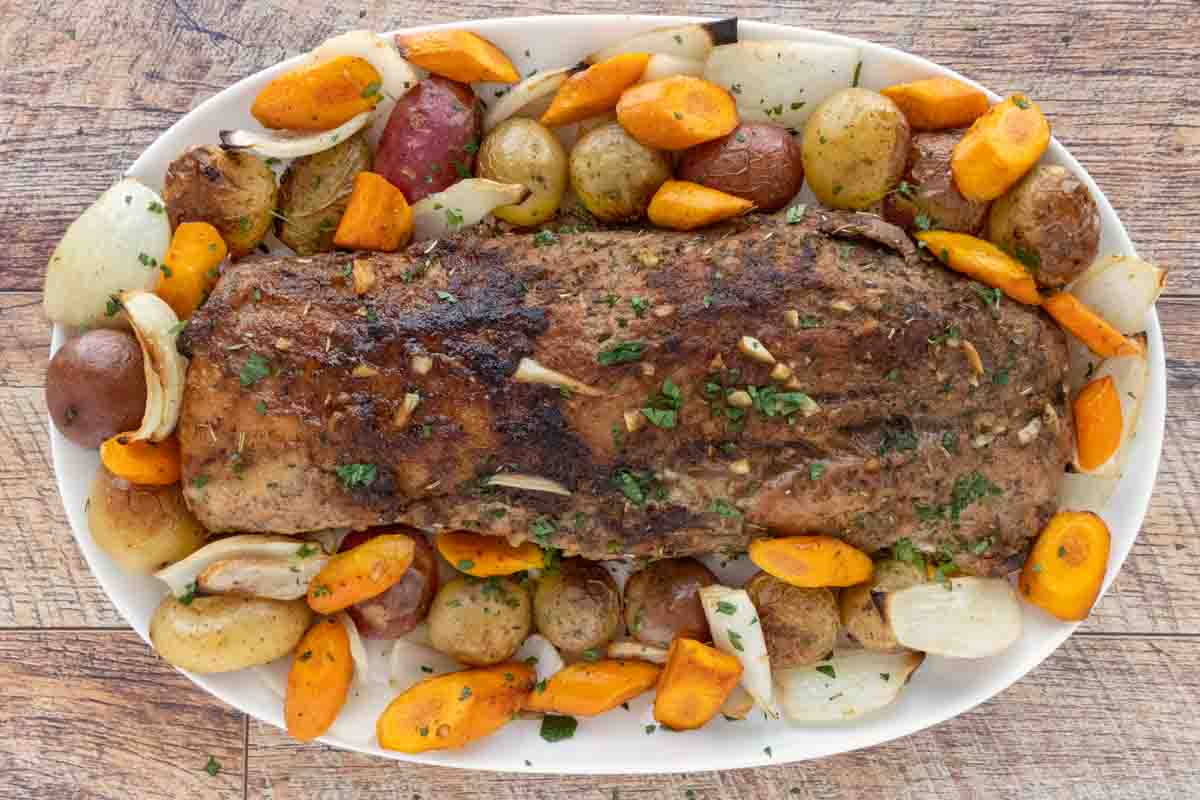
x: 595, y: 89
x: 589, y: 688
x: 147, y: 463
x: 1098, y: 424
x: 319, y: 680
x: 1088, y: 327
x: 935, y: 104
x: 377, y: 217
x: 685, y: 206
x: 984, y: 262
x: 1000, y: 147
x: 453, y: 710
x: 677, y: 113
x: 1065, y: 568
x: 190, y: 267
x: 360, y: 573
x: 458, y: 55
x: 694, y: 684
x: 812, y: 561
x: 485, y: 556
x: 319, y: 97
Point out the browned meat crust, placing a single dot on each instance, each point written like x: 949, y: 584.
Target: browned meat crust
x: 906, y: 439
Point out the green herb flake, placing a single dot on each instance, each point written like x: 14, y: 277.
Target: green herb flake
x: 544, y: 238
x: 725, y: 509
x: 885, y: 676
x: 371, y: 90
x: 189, y: 594
x: 795, y: 214
x: 261, y: 408
x: 357, y: 476
x: 447, y: 297
x: 827, y: 669
x: 1000, y: 377
x: 639, y: 305
x: 735, y: 639
x: 1020, y: 101
x: 200, y: 481
x: 112, y: 307
x: 591, y: 654
x: 816, y: 470
x: 454, y: 217
x: 621, y: 354
x: 857, y: 73
x: 305, y: 550
x: 212, y: 767
x: 541, y: 529
x: 254, y: 370
x: 651, y: 729
x: 725, y: 607
x: 466, y: 565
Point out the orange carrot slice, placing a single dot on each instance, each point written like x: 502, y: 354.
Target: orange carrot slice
x: 360, y: 573
x: 319, y: 97
x: 1000, y: 147
x: 1088, y: 327
x: 377, y: 217
x: 458, y: 55
x: 1098, y: 424
x: 677, y: 113
x: 594, y: 90
x: 1066, y: 567
x: 935, y: 104
x: 685, y: 206
x: 485, y: 556
x: 319, y: 680
x: 984, y: 262
x: 142, y: 462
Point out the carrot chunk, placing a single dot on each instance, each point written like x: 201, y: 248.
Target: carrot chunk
x: 677, y: 113
x: 594, y: 90
x: 1000, y: 147
x: 1098, y: 424
x: 695, y: 682
x: 589, y: 688
x: 1088, y: 327
x: 812, y: 561
x: 458, y: 55
x: 935, y: 104
x: 319, y: 97
x: 377, y: 217
x: 485, y: 556
x: 984, y: 262
x: 142, y: 462
x: 360, y: 573
x: 1066, y: 567
x: 685, y: 206
x: 190, y: 267
x: 319, y: 680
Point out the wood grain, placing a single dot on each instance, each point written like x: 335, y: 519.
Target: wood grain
x: 91, y: 713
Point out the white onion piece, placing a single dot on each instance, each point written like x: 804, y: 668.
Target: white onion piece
x: 292, y: 144
x: 464, y: 204
x: 530, y: 483
x: 530, y: 371
x: 693, y: 41
x: 275, y: 577
x: 849, y: 684
x: 962, y: 618
x: 738, y: 704
x: 105, y: 250
x: 545, y: 657
x: 1121, y: 289
x: 358, y: 653
x: 662, y: 66
x: 396, y: 74
x: 412, y: 663
x: 330, y: 539
x: 157, y: 329
x: 1079, y: 492
x: 1082, y: 364
x: 1130, y: 375
x: 733, y: 620
x: 788, y: 79
x: 636, y: 651
x: 181, y: 576
x: 519, y: 100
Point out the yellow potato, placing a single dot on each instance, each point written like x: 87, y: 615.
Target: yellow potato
x: 224, y: 633
x: 141, y: 528
x: 526, y: 152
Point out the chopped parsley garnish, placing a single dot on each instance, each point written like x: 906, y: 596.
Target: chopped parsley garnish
x: 466, y: 692
x: 466, y: 565
x: 372, y: 90
x: 924, y: 222
x: 897, y: 439
x: 725, y: 509
x: 254, y: 370
x: 621, y: 354
x: 321, y: 591
x: 907, y: 190
x: 200, y: 481
x: 591, y: 654
x: 771, y: 402
x: 1062, y: 551
x: 707, y: 300
x: 725, y: 607
x: 989, y: 295
x: 904, y: 550
x: 637, y: 486
x: 857, y: 73
x: 1000, y: 377
x: 189, y: 594
x: 357, y: 476
x: 542, y: 528
x: 810, y: 322
x: 454, y: 217
x: 951, y: 332
x: 112, y: 306
x: 893, y: 374
x: 651, y: 729
x: 827, y: 669
x: 795, y: 214
x: 212, y: 767
x: 305, y: 550
x: 982, y: 546
x: 640, y: 305
x: 816, y: 470
x: 545, y: 238
x: 662, y: 410
x: 1020, y: 102
x: 556, y: 728
x: 447, y: 297
x: 735, y: 639
x: 950, y: 441
x: 261, y: 408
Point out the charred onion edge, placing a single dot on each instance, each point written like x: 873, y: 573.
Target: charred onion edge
x: 291, y: 144
x: 156, y: 327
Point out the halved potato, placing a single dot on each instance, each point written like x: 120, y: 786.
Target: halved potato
x: 226, y: 633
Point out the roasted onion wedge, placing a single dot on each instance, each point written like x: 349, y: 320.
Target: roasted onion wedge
x: 156, y: 328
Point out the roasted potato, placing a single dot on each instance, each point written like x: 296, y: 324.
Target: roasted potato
x: 928, y: 188
x: 800, y: 625
x: 141, y: 528
x: 232, y: 190
x: 615, y: 175
x: 430, y: 138
x: 759, y: 162
x: 401, y: 608
x: 224, y: 633
x: 1049, y: 222
x: 579, y: 607
x: 855, y: 148
x: 662, y: 601
x: 525, y: 151
x: 314, y: 193
x: 861, y: 616
x: 96, y: 387
x: 480, y: 621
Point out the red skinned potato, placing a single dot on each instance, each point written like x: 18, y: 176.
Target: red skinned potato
x: 928, y: 188
x: 759, y: 162
x: 406, y: 604
x: 430, y: 139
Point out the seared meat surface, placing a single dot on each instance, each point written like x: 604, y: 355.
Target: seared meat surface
x: 917, y: 406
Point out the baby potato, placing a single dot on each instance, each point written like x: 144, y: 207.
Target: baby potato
x: 800, y: 625
x: 855, y: 148
x: 1049, y: 222
x: 931, y: 190
x: 141, y: 528
x: 525, y: 151
x: 579, y: 607
x: 314, y: 193
x: 223, y: 633
x: 662, y: 602
x: 860, y: 616
x: 232, y: 190
x: 480, y: 622
x: 615, y: 175
x: 759, y: 162
x: 96, y: 387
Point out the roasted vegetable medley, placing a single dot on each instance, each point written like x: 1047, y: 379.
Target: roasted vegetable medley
x: 372, y: 144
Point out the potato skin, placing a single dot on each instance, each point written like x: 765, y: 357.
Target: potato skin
x: 615, y: 175
x: 855, y: 148
x: 860, y: 616
x: 525, y: 151
x: 96, y: 387
x: 141, y: 528
x: 933, y: 191
x: 232, y: 190
x: 662, y: 602
x: 759, y: 162
x: 430, y: 137
x: 314, y: 193
x: 480, y: 622
x: 402, y: 607
x: 799, y: 625
x: 579, y: 607
x: 1050, y: 222
x: 223, y: 633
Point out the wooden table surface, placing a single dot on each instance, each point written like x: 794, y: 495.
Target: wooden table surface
x: 88, y: 711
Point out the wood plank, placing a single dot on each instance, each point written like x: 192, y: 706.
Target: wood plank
x: 91, y: 714
x: 1117, y: 718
